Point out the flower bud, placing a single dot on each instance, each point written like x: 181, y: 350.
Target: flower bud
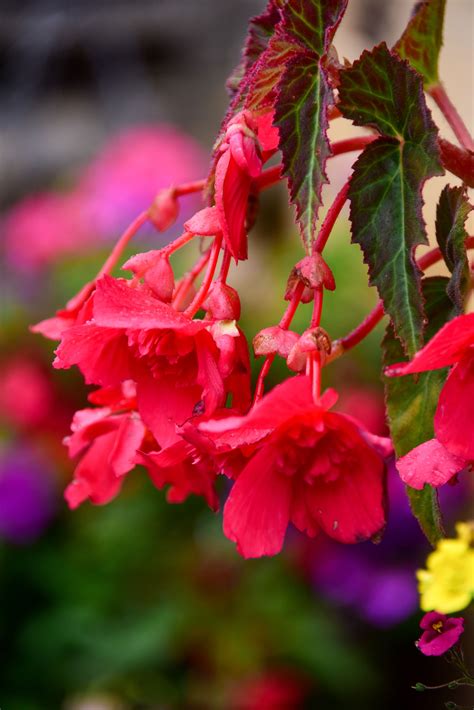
x: 164, y: 209
x: 313, y: 272
x: 274, y: 340
x: 312, y: 340
x: 223, y: 302
x: 205, y: 223
x: 155, y: 269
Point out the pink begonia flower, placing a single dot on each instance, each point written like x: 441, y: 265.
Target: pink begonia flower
x: 108, y: 439
x: 239, y: 162
x: 42, y: 228
x: 438, y: 460
x: 307, y: 466
x: 182, y: 468
x: 177, y: 363
x: 440, y: 633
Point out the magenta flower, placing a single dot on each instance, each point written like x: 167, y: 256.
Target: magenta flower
x: 440, y: 633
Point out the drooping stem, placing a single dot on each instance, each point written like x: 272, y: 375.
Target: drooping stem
x: 188, y: 188
x: 284, y: 323
x: 120, y: 246
x: 187, y: 281
x: 226, y: 259
x: 375, y: 316
x: 200, y: 297
x: 363, y: 329
x: 178, y: 243
x: 317, y: 307
x: 452, y: 116
x: 331, y: 217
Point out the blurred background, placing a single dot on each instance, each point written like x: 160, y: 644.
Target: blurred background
x: 143, y: 605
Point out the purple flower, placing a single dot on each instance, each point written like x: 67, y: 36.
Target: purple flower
x: 27, y: 496
x: 440, y: 634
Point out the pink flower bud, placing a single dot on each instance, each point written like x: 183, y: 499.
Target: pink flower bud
x: 155, y: 269
x: 274, y: 340
x: 312, y: 340
x: 313, y: 272
x: 164, y: 209
x: 223, y: 302
x: 205, y: 223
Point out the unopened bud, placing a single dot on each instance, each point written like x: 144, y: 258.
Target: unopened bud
x: 164, y: 209
x: 205, y: 223
x: 313, y: 272
x: 223, y: 302
x: 312, y: 340
x: 274, y: 340
x: 155, y: 269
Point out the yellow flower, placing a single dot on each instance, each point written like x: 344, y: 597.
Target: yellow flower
x: 447, y: 584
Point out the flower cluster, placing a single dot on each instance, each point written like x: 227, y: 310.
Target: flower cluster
x: 172, y: 367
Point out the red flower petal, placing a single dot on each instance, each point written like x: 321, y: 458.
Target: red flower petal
x: 163, y: 405
x: 350, y: 508
x: 455, y: 413
x: 116, y: 305
x: 257, y: 510
x: 128, y: 439
x: 232, y: 189
x: 445, y: 348
x: 94, y: 478
x: 175, y: 467
x: 101, y: 354
x: 429, y: 463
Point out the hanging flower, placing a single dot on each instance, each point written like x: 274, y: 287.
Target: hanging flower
x: 440, y: 633
x: 306, y: 465
x: 451, y: 346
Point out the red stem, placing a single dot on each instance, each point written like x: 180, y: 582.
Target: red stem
x: 376, y: 315
x: 188, y: 188
x: 178, y: 243
x: 331, y: 217
x: 458, y: 161
x: 317, y: 307
x: 187, y: 281
x: 200, y: 297
x: 284, y: 323
x: 118, y: 249
x: 226, y: 259
x: 273, y: 175
x: 350, y: 144
x: 452, y: 116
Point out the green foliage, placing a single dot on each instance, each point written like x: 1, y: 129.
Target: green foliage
x: 381, y: 91
x: 304, y: 96
x: 412, y: 400
x: 451, y: 214
x: 422, y: 39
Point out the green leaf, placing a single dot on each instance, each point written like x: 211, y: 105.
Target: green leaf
x: 451, y: 214
x: 266, y: 74
x: 422, y: 39
x: 312, y: 23
x: 381, y: 91
x: 304, y: 96
x: 411, y: 403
